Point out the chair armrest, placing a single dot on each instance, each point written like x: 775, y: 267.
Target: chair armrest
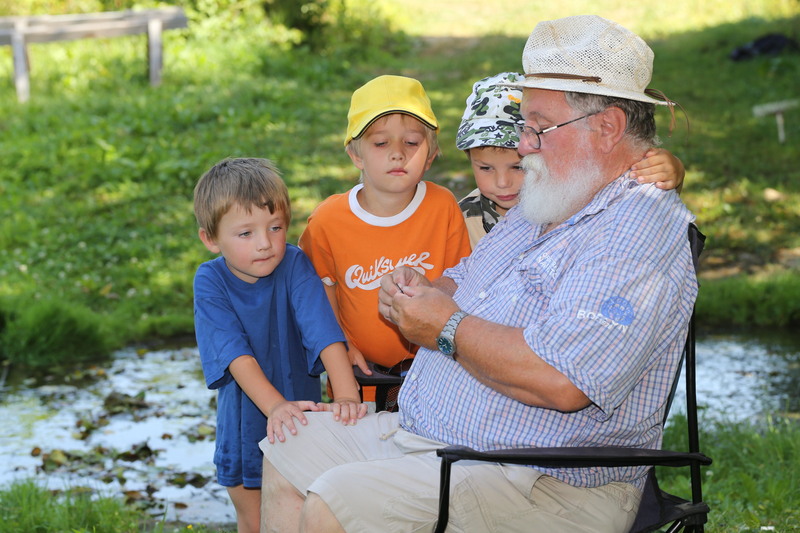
x: 379, y: 376
x: 570, y: 457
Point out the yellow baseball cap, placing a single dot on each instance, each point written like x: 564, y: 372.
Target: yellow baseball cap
x: 385, y: 95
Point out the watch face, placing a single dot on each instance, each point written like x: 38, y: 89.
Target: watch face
x: 445, y: 345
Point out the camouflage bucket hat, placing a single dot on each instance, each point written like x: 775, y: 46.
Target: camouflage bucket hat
x: 491, y: 113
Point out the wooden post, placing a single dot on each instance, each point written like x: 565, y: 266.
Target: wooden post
x: 22, y: 80
x: 155, y: 50
x: 777, y: 109
x: 781, y: 131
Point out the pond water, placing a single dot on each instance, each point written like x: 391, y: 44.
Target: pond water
x: 149, y: 448
x: 143, y: 426
x: 746, y: 377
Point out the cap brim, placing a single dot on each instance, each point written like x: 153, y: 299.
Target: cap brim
x: 359, y: 130
x: 486, y: 132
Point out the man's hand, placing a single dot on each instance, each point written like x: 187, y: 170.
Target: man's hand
x: 421, y: 312
x: 397, y: 282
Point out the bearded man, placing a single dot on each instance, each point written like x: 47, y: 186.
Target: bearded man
x: 564, y: 327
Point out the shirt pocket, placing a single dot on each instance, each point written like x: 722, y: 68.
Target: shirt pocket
x: 528, y: 297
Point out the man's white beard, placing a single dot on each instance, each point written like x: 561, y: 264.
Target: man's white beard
x: 547, y: 199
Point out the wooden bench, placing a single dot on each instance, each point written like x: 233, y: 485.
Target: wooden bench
x: 18, y: 31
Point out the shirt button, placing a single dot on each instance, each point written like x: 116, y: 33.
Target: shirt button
x: 413, y: 376
x: 410, y: 422
x: 482, y: 295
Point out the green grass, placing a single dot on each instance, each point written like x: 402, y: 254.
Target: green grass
x: 760, y: 300
x: 753, y: 480
x: 518, y: 17
x: 27, y: 508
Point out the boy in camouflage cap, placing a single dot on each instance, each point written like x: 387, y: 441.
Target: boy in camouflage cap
x: 489, y: 138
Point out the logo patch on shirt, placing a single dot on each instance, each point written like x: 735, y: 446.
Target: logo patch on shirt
x: 618, y: 309
x: 615, y: 312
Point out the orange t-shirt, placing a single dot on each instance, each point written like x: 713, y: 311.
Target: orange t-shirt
x: 351, y: 249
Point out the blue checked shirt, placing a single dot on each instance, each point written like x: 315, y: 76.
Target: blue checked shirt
x: 605, y: 298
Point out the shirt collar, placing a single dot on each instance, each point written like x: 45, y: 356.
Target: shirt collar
x: 604, y: 198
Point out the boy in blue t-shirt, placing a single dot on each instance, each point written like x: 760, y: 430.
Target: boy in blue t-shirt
x: 264, y: 326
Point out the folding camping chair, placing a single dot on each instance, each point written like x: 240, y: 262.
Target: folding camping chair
x: 657, y: 508
x: 384, y: 380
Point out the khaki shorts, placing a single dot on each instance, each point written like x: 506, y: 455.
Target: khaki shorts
x: 376, y: 477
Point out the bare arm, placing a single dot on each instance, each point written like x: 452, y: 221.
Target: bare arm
x: 446, y: 285
x: 661, y: 167
x: 248, y: 374
x: 279, y: 411
x: 330, y: 292
x: 347, y: 405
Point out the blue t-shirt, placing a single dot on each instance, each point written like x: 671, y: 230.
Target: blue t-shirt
x: 284, y: 321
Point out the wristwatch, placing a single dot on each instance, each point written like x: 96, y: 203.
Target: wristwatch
x: 446, y: 341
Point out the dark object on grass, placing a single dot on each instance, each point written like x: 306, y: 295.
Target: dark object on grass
x: 771, y: 44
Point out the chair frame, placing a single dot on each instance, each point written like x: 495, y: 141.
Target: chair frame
x: 381, y: 380
x: 682, y: 514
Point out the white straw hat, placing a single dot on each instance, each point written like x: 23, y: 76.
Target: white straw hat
x: 588, y: 54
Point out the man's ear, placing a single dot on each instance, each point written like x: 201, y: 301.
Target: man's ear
x: 210, y: 243
x: 613, y: 123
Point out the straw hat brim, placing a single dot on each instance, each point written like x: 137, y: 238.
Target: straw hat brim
x: 577, y: 86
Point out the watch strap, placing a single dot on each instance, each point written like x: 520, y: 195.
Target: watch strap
x: 449, y: 329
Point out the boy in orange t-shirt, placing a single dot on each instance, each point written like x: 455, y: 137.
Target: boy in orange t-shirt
x: 391, y: 218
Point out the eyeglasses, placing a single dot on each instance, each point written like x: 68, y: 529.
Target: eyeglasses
x: 534, y: 137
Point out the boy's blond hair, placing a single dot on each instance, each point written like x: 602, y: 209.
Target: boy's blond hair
x: 354, y: 146
x: 248, y: 182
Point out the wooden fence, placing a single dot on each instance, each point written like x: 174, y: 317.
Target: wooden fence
x: 19, y: 31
